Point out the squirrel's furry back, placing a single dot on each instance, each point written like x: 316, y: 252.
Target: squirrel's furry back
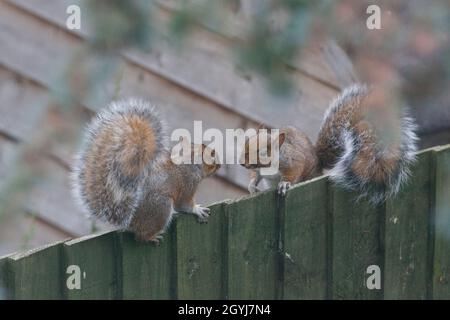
x: 353, y: 149
x: 121, y: 143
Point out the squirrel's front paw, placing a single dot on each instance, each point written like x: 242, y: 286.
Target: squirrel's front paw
x: 252, y: 186
x: 283, y: 187
x: 202, y: 213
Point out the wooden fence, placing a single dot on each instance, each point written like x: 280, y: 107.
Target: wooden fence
x: 317, y: 243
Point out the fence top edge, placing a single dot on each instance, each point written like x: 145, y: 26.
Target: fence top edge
x: 440, y: 147
x: 70, y: 241
x: 23, y: 254
x: 74, y: 241
x: 434, y: 148
x: 6, y: 256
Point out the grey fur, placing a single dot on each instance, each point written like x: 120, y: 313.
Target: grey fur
x: 121, y: 196
x: 347, y: 141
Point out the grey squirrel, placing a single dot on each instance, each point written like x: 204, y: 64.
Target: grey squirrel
x: 124, y: 173
x: 352, y: 148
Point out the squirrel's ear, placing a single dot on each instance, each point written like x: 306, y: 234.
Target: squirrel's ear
x: 281, y: 138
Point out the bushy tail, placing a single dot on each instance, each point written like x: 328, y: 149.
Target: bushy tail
x: 120, y: 143
x: 372, y: 158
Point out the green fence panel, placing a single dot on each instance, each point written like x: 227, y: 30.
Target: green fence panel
x: 148, y: 270
x: 357, y: 233
x: 89, y: 267
x: 201, y: 256
x: 253, y: 247
x: 36, y: 274
x: 315, y: 243
x: 408, y: 217
x: 5, y: 287
x: 441, y: 275
x: 305, y: 241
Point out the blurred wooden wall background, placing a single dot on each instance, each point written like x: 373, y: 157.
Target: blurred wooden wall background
x: 201, y: 83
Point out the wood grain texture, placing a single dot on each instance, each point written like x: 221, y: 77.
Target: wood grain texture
x: 305, y: 241
x: 201, y: 256
x: 319, y: 60
x: 5, y: 280
x: 407, y: 235
x: 328, y: 241
x: 253, y: 247
x: 44, y: 53
x: 97, y: 257
x: 36, y: 274
x: 216, y: 78
x: 441, y: 274
x: 357, y: 237
x: 22, y: 104
x: 149, y: 270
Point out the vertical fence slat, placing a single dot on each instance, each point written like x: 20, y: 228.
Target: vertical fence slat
x: 5, y: 284
x: 305, y: 241
x: 201, y: 256
x: 407, y: 225
x: 149, y: 270
x: 253, y: 247
x: 441, y: 275
x: 95, y: 256
x: 357, y: 244
x: 36, y: 274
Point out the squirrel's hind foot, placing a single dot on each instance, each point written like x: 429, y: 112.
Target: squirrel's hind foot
x: 157, y: 239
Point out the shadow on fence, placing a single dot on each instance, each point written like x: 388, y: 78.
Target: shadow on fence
x: 317, y: 243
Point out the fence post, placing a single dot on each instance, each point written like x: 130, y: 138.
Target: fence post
x: 253, y: 247
x: 408, y: 216
x: 305, y: 241
x: 148, y: 270
x: 90, y: 262
x: 201, y: 255
x: 36, y: 274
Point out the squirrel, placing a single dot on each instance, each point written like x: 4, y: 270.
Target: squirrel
x: 124, y: 172
x: 352, y: 148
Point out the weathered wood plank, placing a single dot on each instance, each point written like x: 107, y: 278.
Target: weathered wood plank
x: 201, y: 256
x: 5, y: 282
x: 253, y: 247
x: 216, y: 77
x: 44, y: 47
x: 357, y: 237
x: 148, y: 270
x: 314, y: 60
x: 21, y: 231
x: 407, y: 234
x: 36, y: 274
x: 51, y: 200
x: 9, y: 154
x: 97, y: 257
x: 305, y: 241
x: 335, y: 72
x: 441, y: 274
x: 17, y: 103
